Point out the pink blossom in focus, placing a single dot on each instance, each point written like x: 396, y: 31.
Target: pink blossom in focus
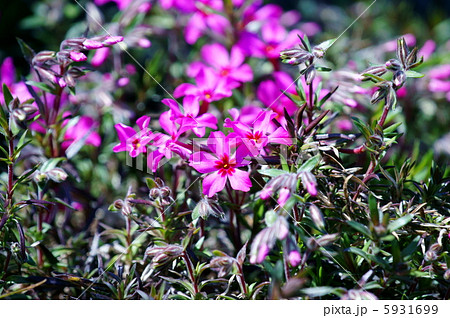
x: 132, y: 141
x: 221, y: 165
x: 208, y: 87
x: 189, y: 117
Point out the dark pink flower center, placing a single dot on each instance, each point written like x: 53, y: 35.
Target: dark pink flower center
x: 225, y: 72
x: 255, y: 136
x: 225, y: 165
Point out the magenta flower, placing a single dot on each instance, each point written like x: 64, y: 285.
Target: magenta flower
x: 132, y: 141
x: 206, y: 20
x: 261, y: 135
x: 221, y: 165
x: 269, y: 92
x: 208, y: 87
x: 185, y: 6
x: 84, y: 126
x: 246, y: 115
x: 8, y: 77
x: 274, y: 39
x: 226, y: 66
x: 189, y: 118
x: 166, y: 145
x: 123, y: 4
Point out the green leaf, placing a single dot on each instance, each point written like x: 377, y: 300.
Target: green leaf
x: 327, y: 96
x: 395, y: 225
x: 271, y: 172
x: 320, y: 291
x: 310, y: 164
x: 360, y: 228
x: 374, y: 214
x: 7, y: 96
x: 414, y: 74
x: 362, y: 127
x: 374, y: 78
x: 41, y: 86
x: 27, y: 51
x: 51, y: 163
x: 326, y: 45
x: 391, y: 128
x: 195, y: 212
x: 323, y: 69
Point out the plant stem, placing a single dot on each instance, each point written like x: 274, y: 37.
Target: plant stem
x: 310, y: 108
x: 190, y: 269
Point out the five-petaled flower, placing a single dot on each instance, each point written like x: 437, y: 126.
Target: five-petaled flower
x: 222, y: 164
x: 132, y: 141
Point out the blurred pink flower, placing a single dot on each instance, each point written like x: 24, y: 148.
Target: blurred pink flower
x: 84, y: 126
x: 226, y: 66
x: 427, y: 49
x: 274, y: 39
x: 221, y: 165
x: 205, y: 19
x: 8, y: 77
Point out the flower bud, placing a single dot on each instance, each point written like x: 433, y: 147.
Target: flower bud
x: 40, y: 176
x: 57, y: 174
x: 316, y: 216
x: 43, y: 57
x: 378, y: 95
x: 46, y: 73
x: 393, y: 64
x: 447, y: 275
x: 154, y: 193
x: 90, y: 44
x: 283, y: 196
x: 77, y: 56
x: 19, y: 114
x: 110, y: 40
x: 377, y: 70
x: 118, y: 204
x: 318, y: 52
x: 309, y: 182
x: 294, y: 258
x: 399, y: 78
x: 310, y: 74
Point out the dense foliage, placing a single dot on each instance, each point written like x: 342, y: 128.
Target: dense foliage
x: 209, y: 149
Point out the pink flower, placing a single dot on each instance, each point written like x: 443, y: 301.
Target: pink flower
x: 208, y: 87
x: 168, y: 144
x: 226, y: 66
x: 221, y: 165
x: 283, y: 196
x: 274, y: 39
x: 294, y: 258
x: 84, y: 126
x: 7, y: 77
x: 261, y: 135
x: 132, y: 141
x: 191, y: 119
x: 269, y: 92
x: 427, y: 49
x: 185, y: 6
x: 246, y: 115
x: 205, y: 19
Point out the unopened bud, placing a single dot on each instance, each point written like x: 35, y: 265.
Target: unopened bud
x: 110, y: 40
x: 377, y: 70
x: 154, y: 193
x: 316, y: 216
x: 43, y: 57
x: 399, y: 78
x: 77, y: 56
x: 318, y: 52
x: 46, y: 73
x: 57, y: 174
x: 447, y: 275
x: 310, y: 74
x: 40, y: 176
x: 90, y: 44
x: 165, y: 192
x: 19, y: 114
x: 393, y: 64
x: 118, y: 204
x: 378, y: 95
